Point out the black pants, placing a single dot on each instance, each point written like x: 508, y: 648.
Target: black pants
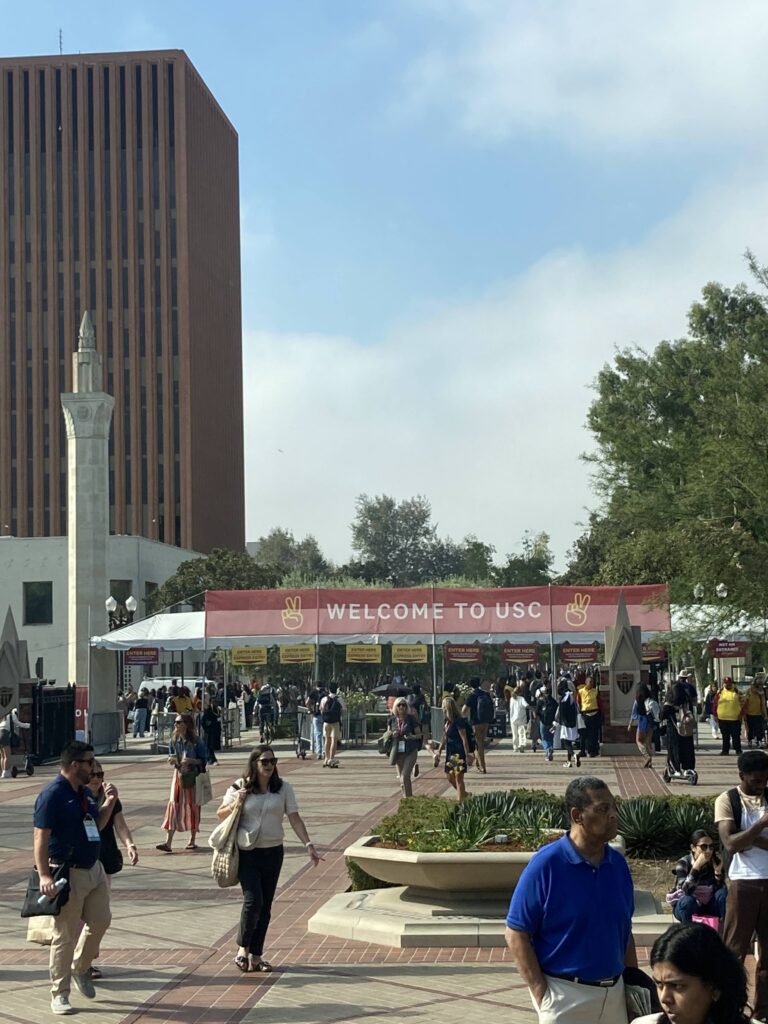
x: 731, y: 731
x: 592, y: 735
x: 259, y: 874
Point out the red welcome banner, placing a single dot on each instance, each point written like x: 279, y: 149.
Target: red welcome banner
x: 328, y: 615
x: 578, y: 652
x: 520, y: 654
x: 466, y: 654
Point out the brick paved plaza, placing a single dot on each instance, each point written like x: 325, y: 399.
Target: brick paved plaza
x: 168, y: 955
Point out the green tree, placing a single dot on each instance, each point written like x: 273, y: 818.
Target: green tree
x: 531, y: 567
x: 281, y: 552
x: 394, y: 541
x: 221, y: 570
x: 682, y: 461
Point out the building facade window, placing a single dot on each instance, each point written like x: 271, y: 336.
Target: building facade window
x: 38, y: 603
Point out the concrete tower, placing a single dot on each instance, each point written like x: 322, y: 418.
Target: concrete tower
x: 87, y: 417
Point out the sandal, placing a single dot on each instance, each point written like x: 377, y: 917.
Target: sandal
x: 261, y: 967
x: 164, y: 847
x: 191, y: 846
x: 241, y: 963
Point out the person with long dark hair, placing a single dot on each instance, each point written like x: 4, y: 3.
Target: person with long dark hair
x: 642, y: 718
x: 698, y: 979
x: 187, y: 757
x: 265, y: 800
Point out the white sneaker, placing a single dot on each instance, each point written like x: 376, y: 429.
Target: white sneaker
x: 61, y: 1004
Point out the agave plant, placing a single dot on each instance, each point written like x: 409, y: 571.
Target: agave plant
x: 686, y: 817
x: 472, y: 827
x: 647, y: 830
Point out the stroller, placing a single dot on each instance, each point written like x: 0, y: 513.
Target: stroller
x: 681, y: 755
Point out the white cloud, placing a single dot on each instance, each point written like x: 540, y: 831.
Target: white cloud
x: 675, y: 72
x: 482, y: 407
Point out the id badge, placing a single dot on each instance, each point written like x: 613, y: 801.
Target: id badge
x: 401, y: 746
x: 91, y: 830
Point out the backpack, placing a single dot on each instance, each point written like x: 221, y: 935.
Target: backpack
x: 485, y: 709
x: 331, y: 710
x: 735, y: 801
x: 685, y: 723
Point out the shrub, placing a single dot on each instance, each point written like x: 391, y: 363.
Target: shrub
x: 645, y: 827
x: 360, y: 879
x: 415, y: 814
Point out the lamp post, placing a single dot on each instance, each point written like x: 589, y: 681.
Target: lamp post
x: 119, y: 615
x: 721, y: 592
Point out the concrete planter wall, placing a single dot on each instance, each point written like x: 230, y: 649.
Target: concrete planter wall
x: 446, y: 872
x: 449, y: 872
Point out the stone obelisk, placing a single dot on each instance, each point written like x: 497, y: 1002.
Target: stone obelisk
x: 88, y: 417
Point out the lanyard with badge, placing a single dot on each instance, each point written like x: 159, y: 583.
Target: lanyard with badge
x: 90, y: 826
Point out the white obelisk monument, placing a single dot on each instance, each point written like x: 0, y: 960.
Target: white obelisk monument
x: 88, y: 417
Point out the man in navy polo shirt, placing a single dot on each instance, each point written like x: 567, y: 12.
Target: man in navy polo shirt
x: 569, y: 921
x: 67, y: 823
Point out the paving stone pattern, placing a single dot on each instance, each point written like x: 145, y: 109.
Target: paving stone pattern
x: 168, y: 955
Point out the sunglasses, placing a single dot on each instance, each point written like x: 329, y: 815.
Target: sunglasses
x: 706, y: 846
x: 267, y: 761
x: 98, y: 775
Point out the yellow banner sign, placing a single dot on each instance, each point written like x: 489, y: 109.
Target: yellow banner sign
x: 370, y: 653
x: 297, y: 654
x: 249, y: 655
x: 409, y: 654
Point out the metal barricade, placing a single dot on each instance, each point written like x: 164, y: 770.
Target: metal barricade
x: 289, y: 720
x: 303, y: 742
x: 230, y: 727
x: 354, y: 727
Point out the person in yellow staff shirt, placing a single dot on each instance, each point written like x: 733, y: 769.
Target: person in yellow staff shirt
x: 589, y: 704
x: 755, y: 712
x: 729, y: 711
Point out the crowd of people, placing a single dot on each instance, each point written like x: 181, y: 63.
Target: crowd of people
x: 720, y: 883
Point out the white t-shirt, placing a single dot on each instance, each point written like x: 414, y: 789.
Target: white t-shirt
x: 262, y: 816
x: 517, y: 710
x: 751, y: 863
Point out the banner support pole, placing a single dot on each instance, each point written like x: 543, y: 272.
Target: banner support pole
x: 434, y: 654
x: 553, y: 680
x: 317, y: 638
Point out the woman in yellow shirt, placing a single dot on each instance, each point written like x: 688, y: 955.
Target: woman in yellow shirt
x: 729, y: 711
x: 589, y: 704
x: 755, y: 714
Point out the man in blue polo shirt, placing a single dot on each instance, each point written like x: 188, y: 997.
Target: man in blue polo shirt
x: 569, y: 921
x: 67, y: 823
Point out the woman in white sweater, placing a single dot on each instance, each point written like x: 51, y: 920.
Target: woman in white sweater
x: 266, y: 799
x: 8, y: 729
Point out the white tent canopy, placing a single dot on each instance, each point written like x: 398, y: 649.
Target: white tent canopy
x: 180, y: 632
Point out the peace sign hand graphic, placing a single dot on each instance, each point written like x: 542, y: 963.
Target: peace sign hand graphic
x: 292, y: 615
x: 576, y: 610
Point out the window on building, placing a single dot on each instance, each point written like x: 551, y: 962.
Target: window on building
x: 38, y: 603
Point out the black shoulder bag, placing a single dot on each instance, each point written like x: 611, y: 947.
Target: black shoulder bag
x: 49, y: 907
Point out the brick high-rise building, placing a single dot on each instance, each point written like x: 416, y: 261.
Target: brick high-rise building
x: 120, y: 195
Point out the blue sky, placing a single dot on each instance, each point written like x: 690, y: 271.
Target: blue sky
x: 452, y: 212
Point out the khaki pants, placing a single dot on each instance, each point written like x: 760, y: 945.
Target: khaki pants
x: 481, y: 733
x: 89, y: 900
x: 746, y: 913
x: 567, y: 1002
